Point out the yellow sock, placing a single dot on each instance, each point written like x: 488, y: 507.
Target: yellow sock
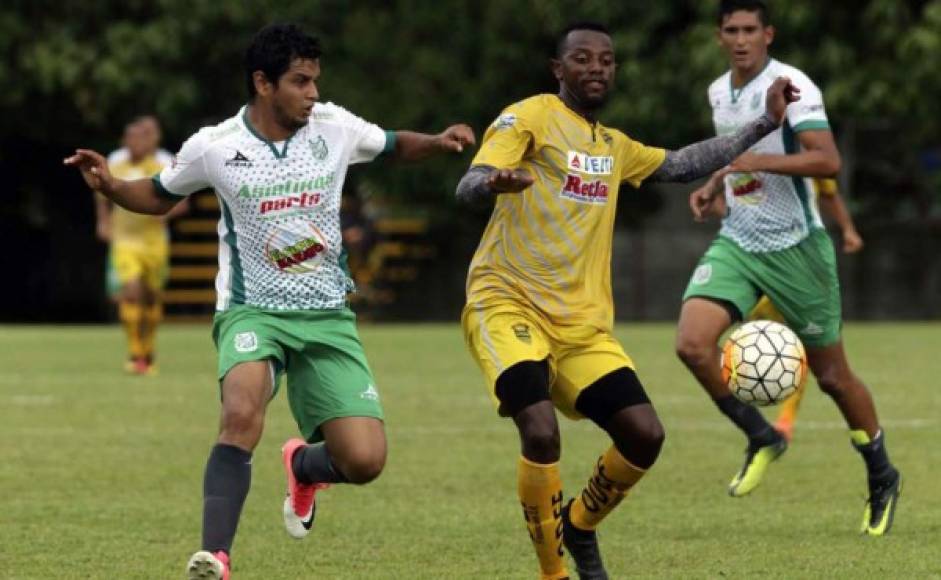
x: 152, y: 315
x: 789, y: 408
x: 540, y: 492
x: 131, y: 315
x: 613, y: 478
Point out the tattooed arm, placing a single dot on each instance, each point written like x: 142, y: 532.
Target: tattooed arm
x: 700, y: 159
x: 481, y: 184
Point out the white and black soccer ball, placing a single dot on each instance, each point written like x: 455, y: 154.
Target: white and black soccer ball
x: 763, y: 363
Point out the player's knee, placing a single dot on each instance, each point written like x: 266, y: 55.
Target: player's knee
x: 541, y: 441
x: 693, y: 352
x: 361, y: 466
x: 241, y: 420
x: 650, y: 437
x: 833, y: 383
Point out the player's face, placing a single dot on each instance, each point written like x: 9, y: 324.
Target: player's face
x: 135, y: 139
x: 296, y: 92
x: 745, y: 39
x: 586, y: 68
x: 151, y: 132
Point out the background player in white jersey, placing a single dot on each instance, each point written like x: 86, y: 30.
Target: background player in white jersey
x: 772, y: 243
x: 278, y: 168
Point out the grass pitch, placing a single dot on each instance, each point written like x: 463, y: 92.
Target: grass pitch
x: 101, y: 473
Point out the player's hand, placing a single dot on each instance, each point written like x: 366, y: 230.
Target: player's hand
x: 747, y: 162
x: 852, y: 241
x: 103, y: 231
x: 456, y: 137
x: 709, y: 200
x: 94, y: 169
x: 781, y: 93
x: 509, y: 180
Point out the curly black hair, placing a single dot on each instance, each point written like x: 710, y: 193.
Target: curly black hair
x: 273, y: 49
x: 561, y: 42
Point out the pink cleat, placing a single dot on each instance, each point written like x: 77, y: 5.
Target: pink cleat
x: 299, y: 505
x: 209, y: 566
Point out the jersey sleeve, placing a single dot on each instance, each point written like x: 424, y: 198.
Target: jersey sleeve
x: 807, y: 114
x: 368, y: 140
x: 187, y: 173
x: 508, y: 138
x: 638, y: 161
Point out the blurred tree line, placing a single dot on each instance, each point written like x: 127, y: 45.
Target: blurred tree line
x: 74, y: 72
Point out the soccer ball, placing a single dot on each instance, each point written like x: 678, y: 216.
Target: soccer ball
x: 763, y: 363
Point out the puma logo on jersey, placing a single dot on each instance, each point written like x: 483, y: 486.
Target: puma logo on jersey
x: 239, y: 160
x: 370, y: 393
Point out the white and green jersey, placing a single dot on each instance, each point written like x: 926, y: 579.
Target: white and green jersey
x: 280, y: 244
x: 767, y: 211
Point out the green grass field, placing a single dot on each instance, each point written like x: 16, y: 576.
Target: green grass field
x: 101, y: 474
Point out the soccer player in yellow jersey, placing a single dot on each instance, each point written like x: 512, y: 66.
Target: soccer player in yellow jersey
x: 139, y: 249
x: 830, y: 200
x: 539, y: 311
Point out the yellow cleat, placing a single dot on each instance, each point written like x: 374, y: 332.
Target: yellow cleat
x: 757, y: 461
x: 880, y: 507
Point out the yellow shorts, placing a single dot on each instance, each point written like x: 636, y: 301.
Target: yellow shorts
x: 129, y: 262
x: 765, y: 310
x: 503, y: 335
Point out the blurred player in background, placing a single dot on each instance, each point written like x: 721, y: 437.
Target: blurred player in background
x: 539, y: 312
x: 150, y: 127
x: 138, y: 258
x: 278, y: 168
x: 772, y: 242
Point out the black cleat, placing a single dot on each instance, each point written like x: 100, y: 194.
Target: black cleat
x: 583, y: 546
x: 880, y: 507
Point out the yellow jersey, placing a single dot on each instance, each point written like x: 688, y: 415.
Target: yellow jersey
x: 128, y: 227
x: 825, y: 186
x: 548, y: 248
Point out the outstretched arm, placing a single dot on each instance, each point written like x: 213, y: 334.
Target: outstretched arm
x: 699, y: 159
x: 411, y: 146
x: 818, y: 157
x: 102, y: 218
x: 140, y: 195
x: 834, y: 206
x: 482, y: 183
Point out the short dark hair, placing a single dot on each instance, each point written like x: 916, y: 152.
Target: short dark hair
x: 727, y: 7
x: 274, y: 48
x: 560, y: 43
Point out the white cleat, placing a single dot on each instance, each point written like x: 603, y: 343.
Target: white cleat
x: 208, y: 566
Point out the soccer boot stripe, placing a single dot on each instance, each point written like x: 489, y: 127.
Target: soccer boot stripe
x: 756, y: 464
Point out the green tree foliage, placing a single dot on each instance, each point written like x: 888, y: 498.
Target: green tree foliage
x: 74, y: 72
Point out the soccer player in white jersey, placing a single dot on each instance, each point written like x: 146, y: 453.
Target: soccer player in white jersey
x: 278, y: 168
x: 772, y: 242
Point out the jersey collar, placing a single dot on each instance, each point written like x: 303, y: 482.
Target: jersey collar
x: 271, y: 145
x: 736, y: 93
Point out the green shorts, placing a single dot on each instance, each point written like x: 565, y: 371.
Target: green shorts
x: 318, y: 350
x: 801, y: 281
